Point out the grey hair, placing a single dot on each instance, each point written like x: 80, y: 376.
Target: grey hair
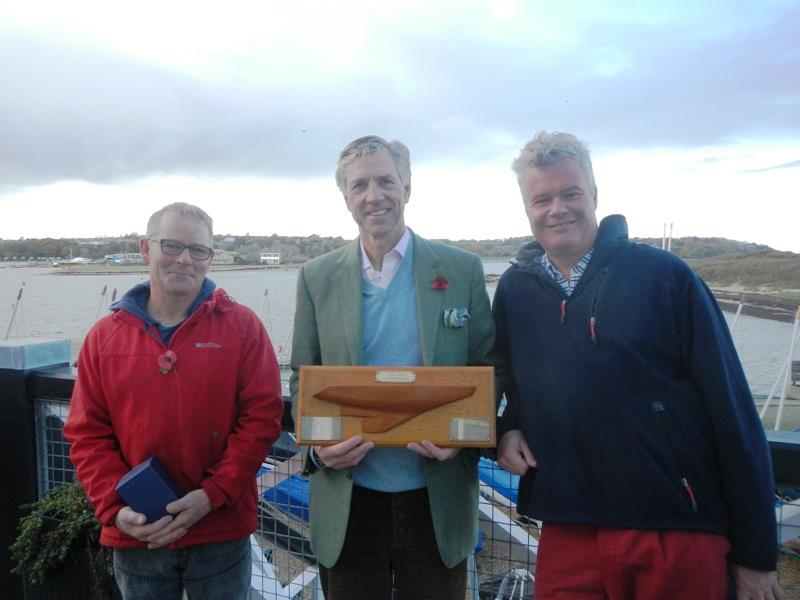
x: 547, y: 149
x: 373, y: 143
x: 183, y: 209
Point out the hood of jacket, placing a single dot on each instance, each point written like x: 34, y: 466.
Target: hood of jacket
x: 134, y: 301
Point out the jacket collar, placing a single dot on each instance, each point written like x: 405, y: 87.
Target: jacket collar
x: 429, y: 301
x: 134, y: 301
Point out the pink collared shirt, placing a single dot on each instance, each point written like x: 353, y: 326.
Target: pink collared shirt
x: 391, y: 262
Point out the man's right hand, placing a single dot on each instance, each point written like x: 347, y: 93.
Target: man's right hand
x: 513, y: 453
x: 344, y: 454
x: 136, y: 525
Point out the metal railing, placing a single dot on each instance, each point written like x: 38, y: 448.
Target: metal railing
x: 283, y: 565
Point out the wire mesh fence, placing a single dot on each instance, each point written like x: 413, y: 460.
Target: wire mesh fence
x: 284, y: 567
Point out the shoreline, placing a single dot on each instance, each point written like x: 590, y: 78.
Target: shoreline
x: 763, y: 306
x: 755, y: 304
x: 100, y: 269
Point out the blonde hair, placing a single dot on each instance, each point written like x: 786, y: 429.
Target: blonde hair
x: 183, y: 209
x: 548, y: 148
x: 373, y: 143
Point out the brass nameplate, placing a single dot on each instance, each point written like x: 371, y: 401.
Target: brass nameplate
x: 449, y: 406
x: 471, y: 430
x: 395, y: 377
x: 321, y: 429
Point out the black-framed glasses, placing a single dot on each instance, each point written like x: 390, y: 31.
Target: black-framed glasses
x: 176, y: 248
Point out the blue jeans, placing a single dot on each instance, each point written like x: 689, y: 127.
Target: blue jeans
x: 218, y: 571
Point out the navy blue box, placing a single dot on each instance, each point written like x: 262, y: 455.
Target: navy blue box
x: 147, y: 489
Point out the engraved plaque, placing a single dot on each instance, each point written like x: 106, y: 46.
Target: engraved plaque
x: 321, y: 429
x: 471, y: 430
x: 395, y: 377
x: 449, y: 406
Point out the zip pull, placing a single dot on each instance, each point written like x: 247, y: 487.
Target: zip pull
x: 593, y: 330
x: 563, y: 311
x: 689, y: 492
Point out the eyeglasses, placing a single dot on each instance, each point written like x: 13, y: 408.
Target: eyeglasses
x: 176, y: 248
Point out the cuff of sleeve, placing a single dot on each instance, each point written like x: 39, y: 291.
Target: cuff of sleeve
x: 215, y: 495
x: 315, y: 460
x: 505, y: 424
x: 109, y: 515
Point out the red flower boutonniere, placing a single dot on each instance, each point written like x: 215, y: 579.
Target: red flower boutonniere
x: 440, y: 283
x: 166, y: 361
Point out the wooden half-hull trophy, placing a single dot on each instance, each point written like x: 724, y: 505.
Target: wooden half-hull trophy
x: 392, y: 406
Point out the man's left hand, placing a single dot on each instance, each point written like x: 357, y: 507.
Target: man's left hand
x: 755, y: 585
x: 431, y: 450
x: 186, y: 512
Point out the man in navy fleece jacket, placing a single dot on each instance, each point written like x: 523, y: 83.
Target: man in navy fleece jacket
x: 629, y: 416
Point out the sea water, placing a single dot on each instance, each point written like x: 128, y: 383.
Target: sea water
x: 56, y: 305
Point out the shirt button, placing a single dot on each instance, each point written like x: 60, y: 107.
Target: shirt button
x: 349, y: 475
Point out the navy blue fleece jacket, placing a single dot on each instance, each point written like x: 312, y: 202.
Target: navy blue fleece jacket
x: 632, y: 399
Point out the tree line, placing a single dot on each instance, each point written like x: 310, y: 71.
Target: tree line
x: 719, y: 261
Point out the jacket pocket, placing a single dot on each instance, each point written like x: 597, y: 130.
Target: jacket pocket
x: 661, y: 415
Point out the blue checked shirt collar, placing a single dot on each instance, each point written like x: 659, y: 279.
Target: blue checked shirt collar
x: 567, y: 284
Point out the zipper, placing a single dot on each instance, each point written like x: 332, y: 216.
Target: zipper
x: 661, y: 411
x: 593, y: 312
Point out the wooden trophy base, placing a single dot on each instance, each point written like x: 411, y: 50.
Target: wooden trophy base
x: 392, y: 406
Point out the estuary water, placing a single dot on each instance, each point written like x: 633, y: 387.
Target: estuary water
x: 66, y: 305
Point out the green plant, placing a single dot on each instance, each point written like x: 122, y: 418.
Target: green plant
x: 59, y: 525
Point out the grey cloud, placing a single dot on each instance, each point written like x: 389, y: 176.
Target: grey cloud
x: 67, y: 112
x: 677, y: 90
x: 790, y: 165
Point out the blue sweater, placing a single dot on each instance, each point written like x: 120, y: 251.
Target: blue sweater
x: 391, y: 337
x: 633, y: 402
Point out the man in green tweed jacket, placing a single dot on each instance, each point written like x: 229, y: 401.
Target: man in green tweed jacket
x: 390, y: 516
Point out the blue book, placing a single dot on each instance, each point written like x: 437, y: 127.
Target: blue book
x: 148, y: 488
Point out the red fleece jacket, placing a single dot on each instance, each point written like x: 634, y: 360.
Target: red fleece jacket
x: 210, y: 419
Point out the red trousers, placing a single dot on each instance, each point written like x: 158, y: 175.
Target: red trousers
x: 596, y: 563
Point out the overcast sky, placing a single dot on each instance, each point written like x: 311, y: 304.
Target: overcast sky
x: 110, y: 110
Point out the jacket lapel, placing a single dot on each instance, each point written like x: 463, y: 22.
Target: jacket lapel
x: 349, y: 282
x: 429, y: 301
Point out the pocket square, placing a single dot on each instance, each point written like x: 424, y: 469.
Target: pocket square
x: 455, y: 317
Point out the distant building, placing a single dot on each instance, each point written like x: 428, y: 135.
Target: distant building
x: 125, y: 258
x: 222, y: 257
x: 271, y: 258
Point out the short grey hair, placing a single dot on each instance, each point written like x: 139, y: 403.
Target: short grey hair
x: 548, y: 148
x: 183, y: 209
x: 373, y: 143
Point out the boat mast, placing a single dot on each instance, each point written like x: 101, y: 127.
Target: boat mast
x: 14, y: 310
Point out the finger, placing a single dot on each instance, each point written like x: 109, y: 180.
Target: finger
x: 437, y: 452
x: 155, y: 528
x: 346, y: 446
x: 165, y: 532
x: 176, y: 506
x: 419, y: 449
x: 432, y: 449
x: 514, y: 464
x: 131, y: 517
x: 161, y: 541
x: 527, y: 455
x: 361, y: 451
x: 352, y: 457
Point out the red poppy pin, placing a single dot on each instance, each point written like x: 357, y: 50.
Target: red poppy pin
x: 440, y: 283
x: 166, y: 361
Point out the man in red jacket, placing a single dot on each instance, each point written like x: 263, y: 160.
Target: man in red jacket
x: 181, y: 372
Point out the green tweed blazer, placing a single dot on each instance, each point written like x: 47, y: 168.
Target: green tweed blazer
x: 328, y: 331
